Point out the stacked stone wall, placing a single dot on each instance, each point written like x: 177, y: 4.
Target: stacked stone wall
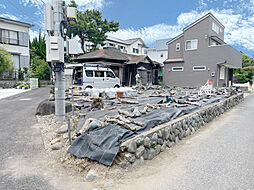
x: 149, y: 144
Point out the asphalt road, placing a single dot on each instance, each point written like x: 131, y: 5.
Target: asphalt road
x: 19, y: 142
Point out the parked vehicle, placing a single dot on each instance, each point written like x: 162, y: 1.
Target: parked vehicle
x: 93, y: 77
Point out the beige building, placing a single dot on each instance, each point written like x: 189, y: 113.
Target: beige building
x: 14, y: 37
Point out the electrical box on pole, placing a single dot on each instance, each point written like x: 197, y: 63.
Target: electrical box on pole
x: 72, y: 46
x: 48, y: 17
x: 71, y: 13
x: 55, y: 49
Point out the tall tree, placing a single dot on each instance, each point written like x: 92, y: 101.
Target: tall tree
x: 38, y: 47
x: 91, y: 27
x: 39, y: 67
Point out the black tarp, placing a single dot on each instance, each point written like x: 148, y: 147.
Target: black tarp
x: 103, y: 144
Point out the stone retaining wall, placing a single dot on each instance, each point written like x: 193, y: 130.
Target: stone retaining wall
x: 7, y: 83
x: 150, y: 143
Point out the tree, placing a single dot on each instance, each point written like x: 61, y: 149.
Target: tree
x: 6, y: 64
x: 38, y: 47
x: 91, y: 27
x: 39, y: 67
x: 245, y: 74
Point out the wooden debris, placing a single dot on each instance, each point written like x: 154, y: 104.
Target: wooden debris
x: 181, y: 105
x: 145, y: 110
x: 82, y: 114
x: 129, y: 121
x: 128, y: 101
x: 118, y: 122
x: 111, y: 108
x: 152, y: 106
x: 126, y: 113
x: 123, y: 119
x: 138, y: 123
x: 84, y: 128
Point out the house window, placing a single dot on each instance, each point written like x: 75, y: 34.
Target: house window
x: 191, y: 44
x: 222, y: 73
x: 23, y: 39
x: 24, y: 61
x: 135, y: 50
x: 177, y: 68
x: 4, y: 36
x: 215, y: 28
x: 111, y: 45
x: 145, y: 51
x: 199, y: 68
x: 121, y: 47
x: 178, y: 47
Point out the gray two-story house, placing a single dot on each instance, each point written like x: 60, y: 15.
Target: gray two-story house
x: 200, y: 54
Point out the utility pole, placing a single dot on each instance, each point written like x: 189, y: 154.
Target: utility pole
x: 55, y: 53
x: 55, y: 25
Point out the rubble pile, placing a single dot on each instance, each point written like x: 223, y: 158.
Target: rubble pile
x: 106, y: 120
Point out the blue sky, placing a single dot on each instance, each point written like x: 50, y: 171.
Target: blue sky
x: 153, y: 19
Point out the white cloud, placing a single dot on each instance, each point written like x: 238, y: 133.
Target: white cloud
x: 238, y: 28
x: 83, y: 4
x: 33, y: 34
x: 9, y: 16
x: 2, y: 6
x: 91, y: 4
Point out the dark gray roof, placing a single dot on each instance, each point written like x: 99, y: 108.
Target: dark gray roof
x: 111, y: 54
x: 16, y: 22
x: 105, y: 53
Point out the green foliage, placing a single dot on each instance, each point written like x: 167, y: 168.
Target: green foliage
x: 6, y: 64
x: 20, y: 74
x: 39, y: 67
x: 38, y: 47
x: 72, y: 4
x: 247, y: 61
x: 91, y: 27
x: 245, y: 74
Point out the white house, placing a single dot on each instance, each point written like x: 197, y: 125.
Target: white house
x: 14, y: 37
x: 134, y: 46
x: 159, y: 53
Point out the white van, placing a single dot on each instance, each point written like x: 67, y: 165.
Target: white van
x: 93, y: 77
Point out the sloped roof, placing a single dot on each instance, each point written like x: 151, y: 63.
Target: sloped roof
x: 176, y: 60
x: 111, y: 38
x: 106, y: 53
x: 194, y: 23
x: 16, y: 22
x: 114, y: 54
x: 126, y: 42
x: 162, y: 44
